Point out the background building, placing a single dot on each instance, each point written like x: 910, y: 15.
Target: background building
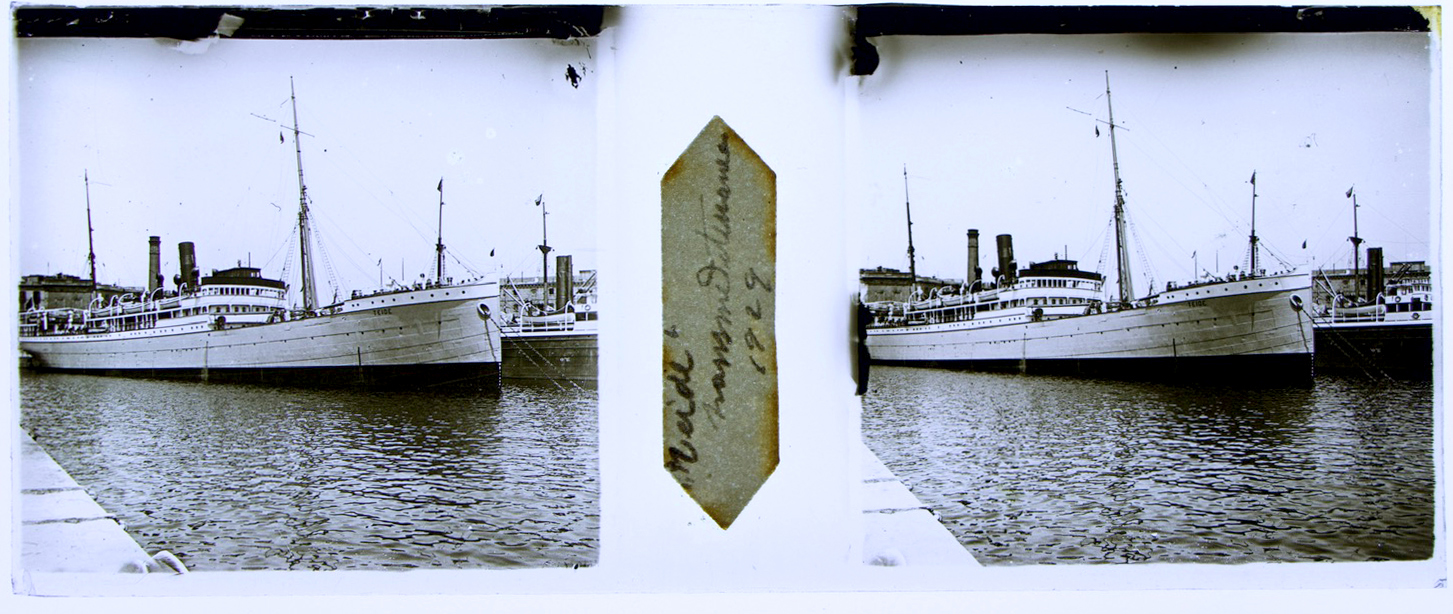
x: 542, y: 293
x: 1326, y: 282
x: 882, y: 284
x: 63, y: 291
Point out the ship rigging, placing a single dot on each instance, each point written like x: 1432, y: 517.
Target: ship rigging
x: 235, y: 325
x: 1051, y: 316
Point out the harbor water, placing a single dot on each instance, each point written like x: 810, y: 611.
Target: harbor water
x: 1057, y: 470
x: 238, y: 477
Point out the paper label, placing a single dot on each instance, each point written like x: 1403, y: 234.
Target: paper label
x: 718, y: 294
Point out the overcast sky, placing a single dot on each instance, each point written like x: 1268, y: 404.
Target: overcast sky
x: 174, y: 148
x: 998, y: 134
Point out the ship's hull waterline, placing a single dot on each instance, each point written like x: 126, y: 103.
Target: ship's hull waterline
x: 1237, y: 331
x: 559, y: 356
x: 416, y: 344
x: 1403, y: 350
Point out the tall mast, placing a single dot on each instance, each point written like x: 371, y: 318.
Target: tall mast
x: 1356, y: 247
x: 1122, y: 250
x: 90, y: 236
x: 440, y: 246
x: 544, y: 249
x: 912, y: 267
x: 310, y: 299
x: 1253, y: 223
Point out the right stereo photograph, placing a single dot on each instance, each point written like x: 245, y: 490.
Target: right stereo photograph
x: 1152, y: 298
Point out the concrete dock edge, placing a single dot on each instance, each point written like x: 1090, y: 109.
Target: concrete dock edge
x: 64, y: 530
x: 898, y: 529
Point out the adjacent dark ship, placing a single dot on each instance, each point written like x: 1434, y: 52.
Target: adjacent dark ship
x: 1382, y: 327
x: 553, y: 336
x: 236, y: 325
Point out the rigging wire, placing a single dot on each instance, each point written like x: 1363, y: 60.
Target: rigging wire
x: 1151, y: 272
x: 332, y: 276
x: 391, y: 204
x: 335, y: 229
x: 462, y: 261
x: 1172, y: 256
x: 1423, y: 241
x: 281, y: 247
x: 383, y: 196
x: 466, y: 266
x: 1328, y: 229
x: 321, y: 242
x: 283, y: 174
x: 1099, y: 240
x: 1179, y: 249
x: 393, y: 208
x: 1105, y: 255
x: 286, y: 276
x: 1219, y: 209
x: 1277, y: 255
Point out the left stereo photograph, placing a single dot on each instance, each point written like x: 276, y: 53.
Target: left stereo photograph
x: 291, y: 302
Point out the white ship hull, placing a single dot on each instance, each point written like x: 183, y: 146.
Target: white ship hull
x: 416, y: 339
x: 1249, y: 325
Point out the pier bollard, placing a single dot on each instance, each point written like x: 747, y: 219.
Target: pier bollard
x: 166, y: 561
x: 162, y: 561
x: 136, y: 566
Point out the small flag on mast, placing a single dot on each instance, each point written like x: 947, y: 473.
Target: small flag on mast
x: 441, y: 185
x: 1253, y: 177
x: 1349, y: 192
x: 538, y: 199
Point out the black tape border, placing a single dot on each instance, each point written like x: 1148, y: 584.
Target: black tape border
x: 914, y: 19
x: 926, y: 20
x: 195, y: 23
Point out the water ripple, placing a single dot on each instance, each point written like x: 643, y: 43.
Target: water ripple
x: 1035, y: 470
x: 243, y: 477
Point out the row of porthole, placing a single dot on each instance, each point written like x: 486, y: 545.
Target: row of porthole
x: 1101, y: 332
x: 381, y: 330
x: 1213, y: 321
x: 979, y: 323
x: 1243, y: 287
x: 283, y: 341
x: 431, y: 295
x: 133, y: 333
x: 976, y: 322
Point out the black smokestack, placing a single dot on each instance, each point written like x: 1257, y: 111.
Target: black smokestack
x: 564, y: 282
x: 154, y: 277
x: 190, y: 274
x: 973, y: 273
x: 1007, y: 267
x: 1375, y: 281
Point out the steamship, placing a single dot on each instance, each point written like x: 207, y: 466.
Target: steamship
x: 551, y: 340
x: 236, y: 325
x: 1051, y: 318
x: 1387, y: 331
